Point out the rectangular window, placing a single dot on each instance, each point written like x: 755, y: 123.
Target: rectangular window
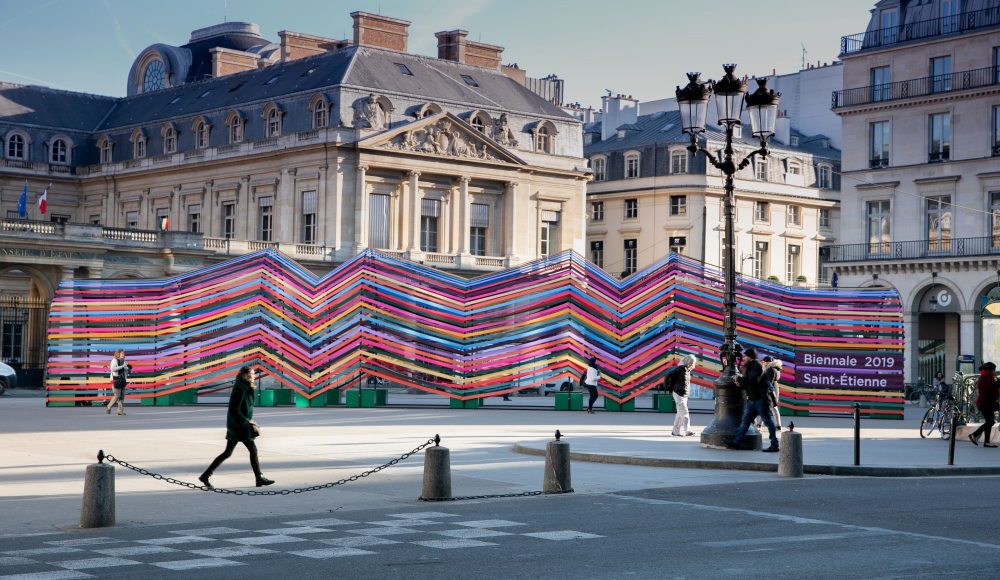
x: 13, y: 215
x: 597, y: 253
x: 939, y: 212
x: 479, y: 225
x: 940, y: 133
x: 995, y: 218
x: 599, y: 169
x: 266, y: 218
x: 824, y: 218
x: 430, y: 213
x: 678, y: 245
x: 236, y: 131
x: 549, y: 241
x: 996, y: 131
x: 878, y: 227
x: 378, y: 221
x: 762, y: 170
x: 880, y: 145
x: 59, y: 219
x: 825, y: 177
x: 941, y: 73
x: 890, y: 22
x: 762, y: 212
x: 760, y: 260
x: 880, y: 83
x: 13, y: 342
x: 679, y: 162
x: 678, y: 205
x: 949, y: 16
x: 631, y: 258
x: 631, y: 208
x: 792, y: 264
x: 163, y: 219
x: 94, y: 219
x: 794, y: 215
x: 631, y: 167
x: 132, y: 220
x: 194, y: 219
x: 597, y: 213
x: 309, y: 221
x: 229, y: 220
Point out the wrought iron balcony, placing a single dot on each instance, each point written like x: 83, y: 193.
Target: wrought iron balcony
x: 956, y: 81
x: 920, y: 30
x: 935, y: 249
x: 938, y: 156
x: 996, y: 150
x: 878, y: 163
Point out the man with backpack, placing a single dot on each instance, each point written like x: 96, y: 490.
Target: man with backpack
x: 757, y: 387
x: 678, y: 381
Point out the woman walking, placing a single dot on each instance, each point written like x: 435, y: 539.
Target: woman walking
x: 772, y: 371
x: 119, y: 378
x: 680, y: 378
x: 591, y: 380
x: 986, y: 402
x: 238, y: 428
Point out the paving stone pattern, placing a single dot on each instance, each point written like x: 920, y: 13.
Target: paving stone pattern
x: 193, y: 549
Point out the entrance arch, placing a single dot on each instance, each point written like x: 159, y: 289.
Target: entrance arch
x: 26, y: 294
x: 936, y: 306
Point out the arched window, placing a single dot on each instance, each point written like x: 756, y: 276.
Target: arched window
x: 15, y: 147
x: 201, y: 136
x: 236, y: 131
x: 825, y: 177
x: 59, y: 151
x: 106, y: 152
x: 140, y: 148
x: 170, y: 141
x: 631, y: 165
x: 154, y: 77
x: 138, y: 140
x: 273, y: 124
x: 542, y: 140
x: 477, y: 122
x: 599, y: 166
x: 319, y: 115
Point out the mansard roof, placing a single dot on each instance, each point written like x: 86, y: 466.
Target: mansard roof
x: 44, y: 107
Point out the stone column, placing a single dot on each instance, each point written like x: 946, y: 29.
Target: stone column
x: 967, y: 332
x: 405, y: 203
x: 335, y: 210
x: 463, y: 216
x: 321, y: 205
x: 414, y: 212
x: 209, y: 223
x: 911, y: 323
x: 510, y: 219
x: 360, y: 210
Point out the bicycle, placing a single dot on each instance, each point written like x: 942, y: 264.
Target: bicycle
x: 939, y: 415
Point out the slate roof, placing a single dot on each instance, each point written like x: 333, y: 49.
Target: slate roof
x: 44, y: 107
x: 201, y: 58
x: 666, y: 127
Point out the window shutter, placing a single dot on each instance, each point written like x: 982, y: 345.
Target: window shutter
x: 308, y: 202
x: 480, y: 215
x: 430, y: 207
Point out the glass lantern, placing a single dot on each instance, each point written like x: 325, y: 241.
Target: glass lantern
x: 692, y: 101
x: 763, y: 108
x: 729, y: 95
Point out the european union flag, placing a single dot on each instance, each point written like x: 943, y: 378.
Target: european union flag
x: 22, y: 204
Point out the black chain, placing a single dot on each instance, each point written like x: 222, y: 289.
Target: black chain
x: 141, y: 471
x: 523, y: 494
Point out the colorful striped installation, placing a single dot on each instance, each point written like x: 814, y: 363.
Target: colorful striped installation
x: 377, y: 315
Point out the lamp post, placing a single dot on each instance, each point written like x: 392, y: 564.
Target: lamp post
x: 762, y: 106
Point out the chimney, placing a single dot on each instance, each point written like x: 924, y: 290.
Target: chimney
x: 226, y: 61
x: 617, y: 111
x: 518, y: 74
x: 452, y: 45
x: 380, y: 31
x: 297, y: 45
x: 783, y: 130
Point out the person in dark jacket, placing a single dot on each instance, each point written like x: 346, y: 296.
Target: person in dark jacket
x: 986, y: 402
x: 772, y: 371
x: 755, y: 383
x: 238, y: 427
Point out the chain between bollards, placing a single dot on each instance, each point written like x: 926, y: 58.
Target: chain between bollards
x: 857, y: 434
x: 951, y: 441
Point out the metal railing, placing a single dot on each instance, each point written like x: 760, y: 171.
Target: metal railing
x: 938, y: 156
x: 956, y: 81
x: 878, y: 163
x: 942, y: 248
x: 947, y: 25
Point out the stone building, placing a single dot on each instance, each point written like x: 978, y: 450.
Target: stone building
x: 317, y: 147
x: 921, y: 205
x: 651, y: 197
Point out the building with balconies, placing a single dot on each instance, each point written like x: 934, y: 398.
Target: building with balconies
x: 920, y: 111
x: 319, y: 148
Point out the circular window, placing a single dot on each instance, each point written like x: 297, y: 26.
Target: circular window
x: 153, y: 80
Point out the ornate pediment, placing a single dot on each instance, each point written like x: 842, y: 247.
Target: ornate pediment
x: 443, y: 135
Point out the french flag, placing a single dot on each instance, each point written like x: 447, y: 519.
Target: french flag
x: 42, y: 200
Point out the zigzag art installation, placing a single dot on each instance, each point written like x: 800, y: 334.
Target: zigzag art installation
x: 381, y: 316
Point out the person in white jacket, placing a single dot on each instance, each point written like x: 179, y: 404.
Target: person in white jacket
x: 680, y: 379
x: 119, y: 369
x: 592, y: 378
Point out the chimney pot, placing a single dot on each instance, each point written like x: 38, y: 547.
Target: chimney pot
x: 380, y: 31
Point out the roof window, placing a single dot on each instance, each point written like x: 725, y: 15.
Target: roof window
x: 308, y: 72
x: 271, y: 81
x: 174, y: 101
x: 470, y: 81
x: 203, y: 95
x: 402, y: 68
x: 237, y: 87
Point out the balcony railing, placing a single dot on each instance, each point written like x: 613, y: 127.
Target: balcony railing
x: 948, y: 25
x: 996, y: 150
x: 938, y: 156
x: 956, y: 81
x: 943, y: 248
x: 879, y: 163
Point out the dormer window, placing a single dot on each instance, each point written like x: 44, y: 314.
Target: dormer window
x: 140, y: 148
x: 15, y: 147
x: 273, y: 124
x: 138, y: 140
x: 403, y: 69
x: 106, y: 152
x: 598, y: 164
x: 319, y: 115
x: 59, y: 151
x: 543, y: 141
x: 154, y: 78
x: 621, y: 133
x: 201, y: 136
x: 478, y: 124
x: 631, y: 165
x: 236, y: 131
x: 794, y: 141
x: 169, y: 141
x: 470, y: 81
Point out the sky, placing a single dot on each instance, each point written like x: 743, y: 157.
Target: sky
x: 640, y: 48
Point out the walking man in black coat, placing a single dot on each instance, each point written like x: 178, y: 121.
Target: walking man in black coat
x: 755, y: 383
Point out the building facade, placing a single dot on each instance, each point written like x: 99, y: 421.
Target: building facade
x: 651, y: 197
x: 920, y: 108
x: 319, y: 148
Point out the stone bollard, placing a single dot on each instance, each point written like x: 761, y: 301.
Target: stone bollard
x: 98, y: 495
x: 557, y: 477
x: 790, y: 456
x: 437, y: 472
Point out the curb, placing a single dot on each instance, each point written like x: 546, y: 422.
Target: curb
x: 851, y: 470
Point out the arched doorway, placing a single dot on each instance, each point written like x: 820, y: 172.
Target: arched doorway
x: 25, y: 296
x: 937, y: 309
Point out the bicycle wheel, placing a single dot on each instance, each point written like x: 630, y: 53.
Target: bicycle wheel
x: 945, y: 420
x: 929, y: 422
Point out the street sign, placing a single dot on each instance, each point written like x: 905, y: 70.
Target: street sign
x: 847, y: 360
x: 848, y: 380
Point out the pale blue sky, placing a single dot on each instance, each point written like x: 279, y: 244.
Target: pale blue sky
x: 636, y: 47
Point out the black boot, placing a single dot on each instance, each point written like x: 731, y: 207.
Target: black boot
x: 204, y: 478
x: 262, y: 481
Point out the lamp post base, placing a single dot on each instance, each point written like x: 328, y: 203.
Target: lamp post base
x: 730, y: 403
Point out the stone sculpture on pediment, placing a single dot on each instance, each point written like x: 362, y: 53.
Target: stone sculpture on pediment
x: 368, y: 114
x: 501, y: 132
x: 441, y: 138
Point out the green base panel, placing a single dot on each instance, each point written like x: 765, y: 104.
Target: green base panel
x: 381, y: 397
x: 334, y: 398
x: 187, y: 397
x: 303, y: 401
x: 61, y: 395
x: 164, y: 400
x: 664, y: 403
x: 786, y: 412
x: 265, y: 398
x: 147, y: 401
x: 576, y: 401
x: 562, y: 402
x: 469, y: 404
x: 362, y: 398
x: 627, y: 406
x: 353, y: 398
x: 283, y: 396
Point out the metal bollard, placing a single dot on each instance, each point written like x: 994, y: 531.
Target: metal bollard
x: 437, y: 472
x: 857, y: 433
x: 98, y: 495
x: 557, y: 477
x: 790, y: 456
x: 951, y: 442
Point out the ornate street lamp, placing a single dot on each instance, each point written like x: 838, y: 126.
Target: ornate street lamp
x: 762, y: 106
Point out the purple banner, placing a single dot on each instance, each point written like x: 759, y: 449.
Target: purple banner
x: 849, y: 380
x: 850, y: 361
